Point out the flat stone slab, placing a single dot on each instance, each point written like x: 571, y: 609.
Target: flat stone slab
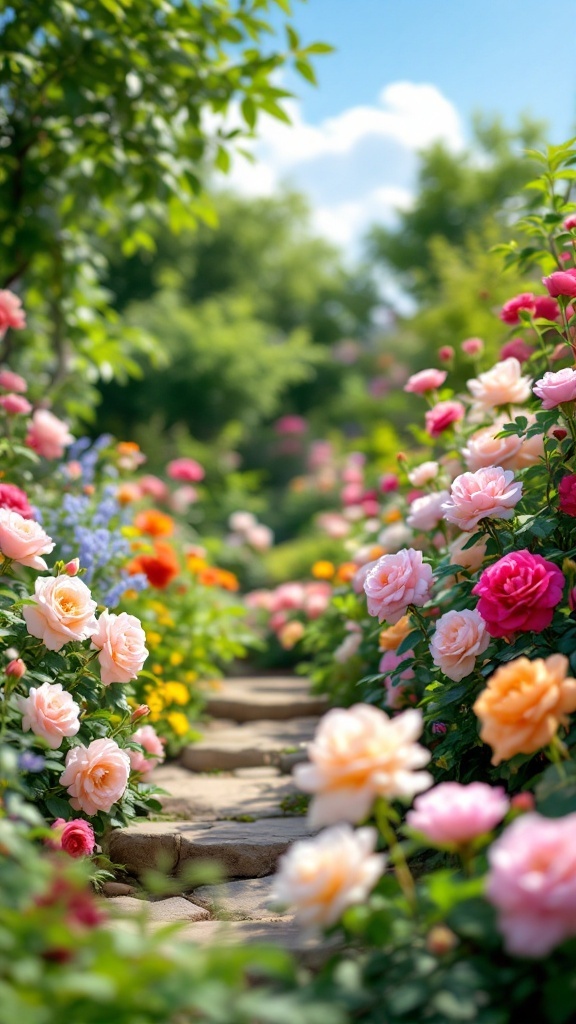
x: 215, y: 797
x: 249, y: 745
x: 176, y: 908
x: 283, y: 932
x: 239, y: 849
x: 264, y: 697
x: 244, y: 900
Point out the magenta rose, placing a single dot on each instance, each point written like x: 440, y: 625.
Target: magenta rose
x: 518, y: 349
x: 561, y: 282
x: 442, y: 416
x: 75, y: 837
x: 15, y: 500
x: 519, y: 593
x: 567, y: 495
x: 570, y: 222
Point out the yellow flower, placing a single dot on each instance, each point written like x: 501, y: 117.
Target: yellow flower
x: 191, y: 676
x: 176, y: 658
x: 175, y: 692
x: 156, y: 705
x: 165, y: 620
x: 157, y: 669
x: 178, y: 722
x: 323, y: 570
x: 153, y: 638
x: 129, y: 531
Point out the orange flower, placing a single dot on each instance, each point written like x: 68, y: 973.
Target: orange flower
x: 160, y: 567
x: 227, y: 580
x: 127, y: 493
x: 393, y: 516
x: 346, y: 572
x: 155, y: 523
x: 208, y: 577
x: 391, y: 638
x: 523, y: 705
x: 376, y: 552
x: 323, y: 570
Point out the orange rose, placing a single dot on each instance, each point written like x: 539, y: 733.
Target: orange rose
x: 523, y: 705
x: 391, y: 638
x: 155, y: 523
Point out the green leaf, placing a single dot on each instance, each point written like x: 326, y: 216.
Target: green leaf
x: 556, y: 791
x: 249, y: 111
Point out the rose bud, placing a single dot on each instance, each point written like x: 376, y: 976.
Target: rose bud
x: 71, y: 568
x: 523, y: 802
x: 446, y: 353
x: 15, y: 668
x: 559, y: 433
x: 139, y: 712
x: 440, y: 940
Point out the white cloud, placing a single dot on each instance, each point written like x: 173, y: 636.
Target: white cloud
x: 358, y: 167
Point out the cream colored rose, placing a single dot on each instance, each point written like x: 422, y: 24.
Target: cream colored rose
x: 23, y: 540
x: 122, y: 644
x: 96, y: 776
x: 458, y: 640
x: 485, y: 449
x: 63, y: 611
x: 358, y: 754
x: 320, y: 877
x: 503, y: 384
x: 423, y: 474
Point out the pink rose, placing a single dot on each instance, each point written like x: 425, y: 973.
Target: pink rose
x: 503, y: 384
x: 16, y: 668
x: 570, y: 222
x: 472, y: 346
x: 486, y: 494
x: 532, y: 883
x: 426, y: 512
x: 260, y: 537
x: 291, y: 425
x: 289, y: 596
x: 154, y: 487
x: 519, y: 593
x: 48, y: 435
x: 567, y: 494
x: 446, y: 353
x: 12, y: 381
x: 395, y: 691
x: 395, y: 582
x: 360, y: 753
x: 15, y: 405
x: 423, y: 474
x: 458, y: 640
x: 63, y: 611
x: 454, y: 815
x: 11, y: 313
x: 390, y: 661
x: 518, y: 349
x: 556, y: 388
x: 48, y: 711
x: 485, y: 448
x: 546, y: 308
x: 15, y: 500
x: 122, y: 645
x: 425, y: 380
x: 182, y: 498
x: 75, y: 837
x: 540, y: 306
x: 23, y: 540
x: 96, y: 776
x: 561, y: 282
x: 388, y: 483
x: 442, y: 416
x: 148, y: 738
x: 186, y: 470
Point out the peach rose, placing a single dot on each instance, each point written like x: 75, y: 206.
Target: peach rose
x: 458, y: 640
x: 122, y: 644
x: 320, y: 877
x: 23, y: 541
x: 48, y: 435
x: 148, y: 738
x: 485, y: 449
x: 96, y: 776
x: 63, y: 611
x: 358, y: 754
x: 395, y: 582
x: 391, y: 638
x: 523, y: 704
x: 486, y: 494
x: 503, y: 384
x: 469, y: 558
x: 50, y: 712
x: 426, y: 512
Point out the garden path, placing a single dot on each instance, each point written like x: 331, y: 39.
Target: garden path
x: 230, y: 802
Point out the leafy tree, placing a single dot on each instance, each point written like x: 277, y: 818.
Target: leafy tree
x: 113, y: 110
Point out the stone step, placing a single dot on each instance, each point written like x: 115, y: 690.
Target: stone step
x: 247, y: 899
x: 249, y: 745
x: 176, y: 908
x: 254, y: 698
x: 215, y: 797
x: 282, y: 932
x: 238, y: 849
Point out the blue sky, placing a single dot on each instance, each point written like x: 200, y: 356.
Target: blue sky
x: 406, y: 73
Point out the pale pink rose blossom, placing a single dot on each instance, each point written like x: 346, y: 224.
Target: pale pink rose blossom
x: 96, y: 776
x: 333, y: 524
x: 50, y: 712
x: 12, y: 381
x: 63, y: 611
x: 289, y: 596
x: 472, y: 346
x: 182, y: 498
x: 394, y: 537
x: 350, y: 644
x: 23, y: 540
x: 122, y: 645
x: 397, y: 581
x: 425, y: 380
x: 48, y: 435
x: 423, y: 474
x: 454, y: 815
x: 277, y: 621
x: 469, y: 558
x: 426, y: 512
x: 262, y: 600
x: 260, y: 537
x: 532, y: 883
x: 487, y: 493
x: 359, y: 577
x: 390, y: 661
x: 241, y: 521
x: 154, y: 487
x: 358, y: 754
x: 11, y: 312
x: 153, y: 745
x: 458, y: 640
x: 556, y: 388
x: 321, y: 877
x: 15, y: 405
x: 503, y: 384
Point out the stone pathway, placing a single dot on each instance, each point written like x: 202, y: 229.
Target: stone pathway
x: 229, y: 803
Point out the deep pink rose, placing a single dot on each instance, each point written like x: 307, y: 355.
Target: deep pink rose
x: 511, y: 309
x: 518, y: 349
x: 11, y: 312
x: 291, y: 425
x: 442, y: 416
x: 546, y: 308
x: 75, y: 837
x: 12, y: 381
x: 556, y: 388
x: 567, y: 494
x: 15, y: 500
x: 425, y: 380
x: 15, y: 405
x: 561, y: 282
x: 186, y: 470
x: 519, y: 593
x: 570, y: 222
x: 446, y: 353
